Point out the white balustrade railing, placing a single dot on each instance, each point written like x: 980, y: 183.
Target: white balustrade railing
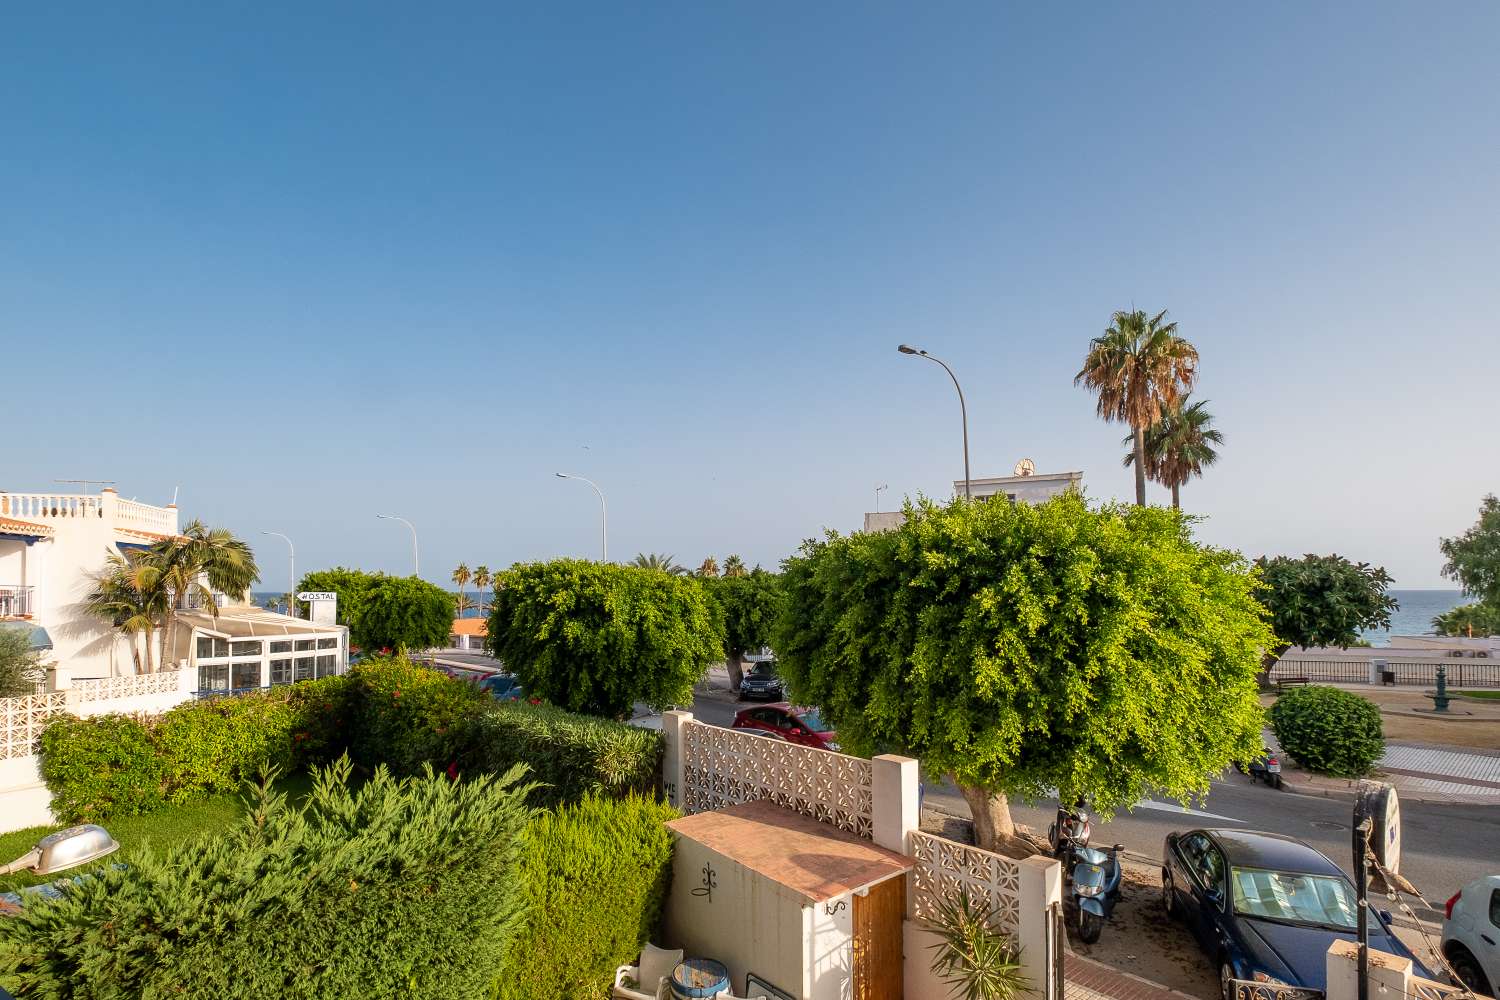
x: 144, y: 517
x: 946, y: 868
x: 107, y: 688
x: 49, y: 506
x: 23, y: 719
x: 723, y: 767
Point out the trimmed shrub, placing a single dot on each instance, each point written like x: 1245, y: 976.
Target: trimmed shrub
x: 323, y: 711
x: 401, y: 613
x: 406, y: 715
x: 212, y: 746
x: 402, y: 888
x: 597, y: 875
x: 101, y: 767
x: 569, y: 755
x: 1329, y: 730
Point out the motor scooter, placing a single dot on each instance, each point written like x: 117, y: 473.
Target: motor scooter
x: 1093, y: 875
x: 1266, y: 767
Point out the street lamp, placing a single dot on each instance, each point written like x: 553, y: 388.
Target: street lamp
x: 882, y: 486
x: 416, y: 562
x: 962, y: 409
x: 291, y: 599
x: 603, y: 515
x: 56, y: 852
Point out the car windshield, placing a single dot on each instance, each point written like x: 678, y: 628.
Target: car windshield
x: 1294, y: 897
x: 763, y: 671
x: 813, y: 720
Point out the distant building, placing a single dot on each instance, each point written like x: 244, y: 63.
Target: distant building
x: 469, y: 633
x: 1028, y: 488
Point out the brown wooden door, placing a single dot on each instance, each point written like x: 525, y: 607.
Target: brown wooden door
x: 877, y: 941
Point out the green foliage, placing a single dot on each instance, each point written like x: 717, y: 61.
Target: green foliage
x: 1323, y: 600
x: 1025, y: 647
x: 1474, y: 557
x: 212, y: 746
x: 399, y: 889
x: 970, y: 956
x: 750, y: 604
x: 324, y: 718
x: 570, y: 755
x: 665, y: 562
x: 1469, y: 619
x: 597, y: 874
x: 406, y: 715
x: 595, y: 637
x: 1329, y: 730
x: 19, y: 663
x: 101, y: 767
x: 352, y: 586
x: 401, y: 613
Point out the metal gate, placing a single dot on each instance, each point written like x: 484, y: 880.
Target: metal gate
x: 1057, y: 982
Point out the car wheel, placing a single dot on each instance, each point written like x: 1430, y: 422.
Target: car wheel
x: 1168, y: 895
x: 1226, y: 981
x: 1468, y: 970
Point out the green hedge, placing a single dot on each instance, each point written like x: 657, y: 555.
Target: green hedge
x: 407, y: 715
x: 597, y: 875
x: 570, y: 755
x: 101, y: 767
x: 1329, y: 730
x: 402, y: 888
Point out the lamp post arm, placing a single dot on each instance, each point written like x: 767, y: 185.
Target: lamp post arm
x: 963, y: 411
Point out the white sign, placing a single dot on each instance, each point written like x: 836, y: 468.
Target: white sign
x: 317, y: 595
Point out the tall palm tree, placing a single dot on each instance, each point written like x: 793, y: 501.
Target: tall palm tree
x: 200, y: 553
x: 734, y: 566
x: 1138, y: 368
x: 129, y: 594
x: 1179, y: 445
x: 461, y: 577
x: 709, y: 567
x: 655, y: 560
x: 481, y: 580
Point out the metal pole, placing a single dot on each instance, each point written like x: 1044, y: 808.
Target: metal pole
x: 416, y: 559
x: 603, y: 514
x: 884, y: 486
x: 291, y: 598
x: 962, y: 408
x: 1361, y: 889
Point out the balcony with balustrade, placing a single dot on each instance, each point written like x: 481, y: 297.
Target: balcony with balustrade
x: 57, y: 511
x: 15, y: 601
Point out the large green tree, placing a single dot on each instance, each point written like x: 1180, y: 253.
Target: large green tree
x: 750, y: 605
x: 1023, y: 648
x: 404, y: 613
x: 596, y: 638
x: 352, y: 586
x: 1322, y: 600
x: 1473, y: 558
x: 1138, y: 368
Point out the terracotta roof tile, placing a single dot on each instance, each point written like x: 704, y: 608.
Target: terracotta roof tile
x: 11, y: 526
x: 470, y: 626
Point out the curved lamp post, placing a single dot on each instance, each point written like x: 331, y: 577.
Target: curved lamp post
x: 291, y: 594
x: 962, y: 409
x: 416, y: 562
x: 603, y: 514
x: 878, y: 489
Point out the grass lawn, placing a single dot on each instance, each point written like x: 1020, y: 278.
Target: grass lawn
x: 1491, y: 695
x: 162, y: 829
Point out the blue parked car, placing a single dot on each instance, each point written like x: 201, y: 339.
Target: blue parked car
x: 1265, y: 907
x: 502, y: 687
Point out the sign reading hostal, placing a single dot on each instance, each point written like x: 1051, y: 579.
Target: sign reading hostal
x: 322, y: 605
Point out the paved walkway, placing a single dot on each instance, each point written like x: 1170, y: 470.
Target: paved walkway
x: 1420, y: 772
x: 1087, y: 979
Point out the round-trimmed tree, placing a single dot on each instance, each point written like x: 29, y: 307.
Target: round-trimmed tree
x: 1023, y: 648
x: 750, y: 604
x: 1330, y: 730
x: 596, y: 638
x: 1322, y: 600
x: 403, y: 613
x: 351, y: 585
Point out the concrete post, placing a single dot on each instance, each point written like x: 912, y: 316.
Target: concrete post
x: 671, y: 765
x: 1041, y: 887
x: 1376, y: 666
x: 1390, y: 975
x: 894, y: 801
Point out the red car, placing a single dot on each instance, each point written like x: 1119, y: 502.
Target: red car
x: 804, y: 726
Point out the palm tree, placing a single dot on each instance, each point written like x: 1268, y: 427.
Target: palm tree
x: 1138, y: 368
x: 462, y: 604
x: 734, y: 566
x: 481, y: 580
x: 709, y: 567
x: 200, y: 553
x: 666, y: 563
x: 128, y: 593
x: 461, y: 577
x: 1179, y: 445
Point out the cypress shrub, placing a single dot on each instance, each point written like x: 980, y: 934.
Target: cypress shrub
x: 1328, y: 729
x: 101, y: 767
x: 597, y: 875
x: 402, y: 888
x: 569, y: 755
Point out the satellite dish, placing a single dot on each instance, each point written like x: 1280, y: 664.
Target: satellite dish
x: 1025, y: 467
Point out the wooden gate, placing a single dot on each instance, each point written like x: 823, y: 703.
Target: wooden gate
x: 878, y: 969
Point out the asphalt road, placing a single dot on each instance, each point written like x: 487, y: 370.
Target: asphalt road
x: 1444, y: 845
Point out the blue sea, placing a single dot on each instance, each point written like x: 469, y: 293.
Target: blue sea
x: 1414, y: 616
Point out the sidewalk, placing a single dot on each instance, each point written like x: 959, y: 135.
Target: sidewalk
x: 1087, y: 979
x: 1418, y: 771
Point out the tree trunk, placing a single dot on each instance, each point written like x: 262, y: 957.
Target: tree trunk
x: 1140, y: 466
x: 1176, y: 501
x: 150, y: 651
x: 994, y: 830
x: 735, y: 661
x: 135, y: 650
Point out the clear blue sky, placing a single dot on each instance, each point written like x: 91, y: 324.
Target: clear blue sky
x: 315, y: 261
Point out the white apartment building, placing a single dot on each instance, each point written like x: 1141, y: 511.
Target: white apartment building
x: 1026, y: 486
x: 52, y: 545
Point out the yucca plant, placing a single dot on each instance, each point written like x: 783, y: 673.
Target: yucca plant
x: 971, y: 957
